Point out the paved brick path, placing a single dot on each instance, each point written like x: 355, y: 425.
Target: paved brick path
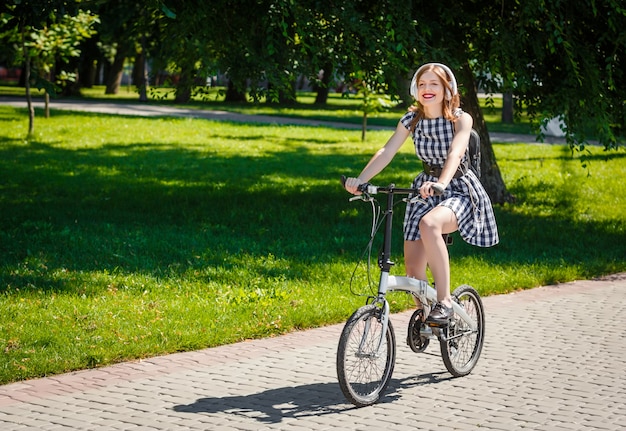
x: 553, y: 360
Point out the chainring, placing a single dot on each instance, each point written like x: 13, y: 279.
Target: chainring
x: 414, y: 339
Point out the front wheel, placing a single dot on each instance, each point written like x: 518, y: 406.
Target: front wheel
x: 461, y: 345
x: 365, y: 357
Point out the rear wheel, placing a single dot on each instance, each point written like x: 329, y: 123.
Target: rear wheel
x: 460, y: 344
x: 363, y: 368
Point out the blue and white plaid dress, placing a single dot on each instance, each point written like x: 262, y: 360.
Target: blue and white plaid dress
x: 465, y: 196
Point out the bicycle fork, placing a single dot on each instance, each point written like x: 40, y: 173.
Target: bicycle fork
x: 363, y: 351
x: 381, y: 302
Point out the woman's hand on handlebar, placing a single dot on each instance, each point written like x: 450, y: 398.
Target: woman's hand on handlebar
x: 430, y: 188
x: 352, y: 185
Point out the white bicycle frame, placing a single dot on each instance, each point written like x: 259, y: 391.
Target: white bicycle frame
x: 420, y: 289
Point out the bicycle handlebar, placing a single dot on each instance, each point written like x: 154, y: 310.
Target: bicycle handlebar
x: 371, y: 189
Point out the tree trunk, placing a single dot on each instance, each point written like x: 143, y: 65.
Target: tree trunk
x: 364, y: 126
x: 403, y: 88
x: 102, y: 71
x: 507, y: 107
x: 322, y: 95
x: 46, y: 105
x: 185, y: 84
x: 140, y: 76
x: 142, y: 59
x: 287, y: 95
x: 491, y: 177
x: 46, y: 97
x: 322, y: 90
x: 88, y: 63
x: 29, y: 100
x: 233, y: 94
x: 114, y: 78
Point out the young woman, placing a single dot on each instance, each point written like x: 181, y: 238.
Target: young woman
x: 441, y: 132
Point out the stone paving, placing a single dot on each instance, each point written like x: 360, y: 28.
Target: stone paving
x: 553, y: 360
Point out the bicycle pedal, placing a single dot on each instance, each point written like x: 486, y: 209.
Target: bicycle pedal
x: 437, y: 324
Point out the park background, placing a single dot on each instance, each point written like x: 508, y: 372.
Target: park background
x: 125, y: 237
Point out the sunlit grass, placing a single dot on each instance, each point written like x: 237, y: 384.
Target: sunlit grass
x: 344, y: 108
x: 123, y: 238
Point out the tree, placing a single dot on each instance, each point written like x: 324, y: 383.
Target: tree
x: 119, y: 35
x: 365, y: 44
x: 513, y: 47
x: 45, y: 32
x: 53, y: 44
x: 269, y: 62
x: 555, y: 57
x: 374, y: 51
x: 565, y: 58
x: 184, y: 44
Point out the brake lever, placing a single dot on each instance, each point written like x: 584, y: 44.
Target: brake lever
x: 415, y: 199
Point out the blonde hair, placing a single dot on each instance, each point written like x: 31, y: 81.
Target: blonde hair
x: 450, y: 105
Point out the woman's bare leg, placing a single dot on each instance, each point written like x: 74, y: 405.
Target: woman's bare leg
x: 415, y: 259
x: 432, y: 226
x: 415, y: 262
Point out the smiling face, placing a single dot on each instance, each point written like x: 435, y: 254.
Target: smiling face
x: 430, y: 89
x: 431, y: 94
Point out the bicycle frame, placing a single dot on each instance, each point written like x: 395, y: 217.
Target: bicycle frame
x: 389, y: 283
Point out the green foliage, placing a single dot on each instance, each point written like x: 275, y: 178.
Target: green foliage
x: 558, y: 58
x: 56, y: 42
x: 54, y: 38
x: 123, y: 238
x: 373, y: 93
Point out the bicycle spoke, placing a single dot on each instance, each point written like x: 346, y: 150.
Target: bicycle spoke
x: 462, y: 346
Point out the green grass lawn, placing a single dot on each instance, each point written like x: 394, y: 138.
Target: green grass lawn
x: 338, y: 108
x: 122, y: 238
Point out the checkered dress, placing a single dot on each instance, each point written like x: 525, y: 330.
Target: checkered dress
x: 465, y: 196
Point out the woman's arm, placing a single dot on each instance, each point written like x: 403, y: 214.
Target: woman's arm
x: 463, y: 128
x: 381, y: 159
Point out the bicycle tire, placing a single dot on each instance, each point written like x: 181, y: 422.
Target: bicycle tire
x: 460, y: 346
x: 363, y: 376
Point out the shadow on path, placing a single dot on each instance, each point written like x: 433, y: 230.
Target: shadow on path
x: 318, y: 399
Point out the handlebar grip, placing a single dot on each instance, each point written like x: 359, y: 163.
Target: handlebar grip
x: 437, y: 189
x: 363, y: 187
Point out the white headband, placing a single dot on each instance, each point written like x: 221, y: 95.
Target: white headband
x: 446, y: 69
